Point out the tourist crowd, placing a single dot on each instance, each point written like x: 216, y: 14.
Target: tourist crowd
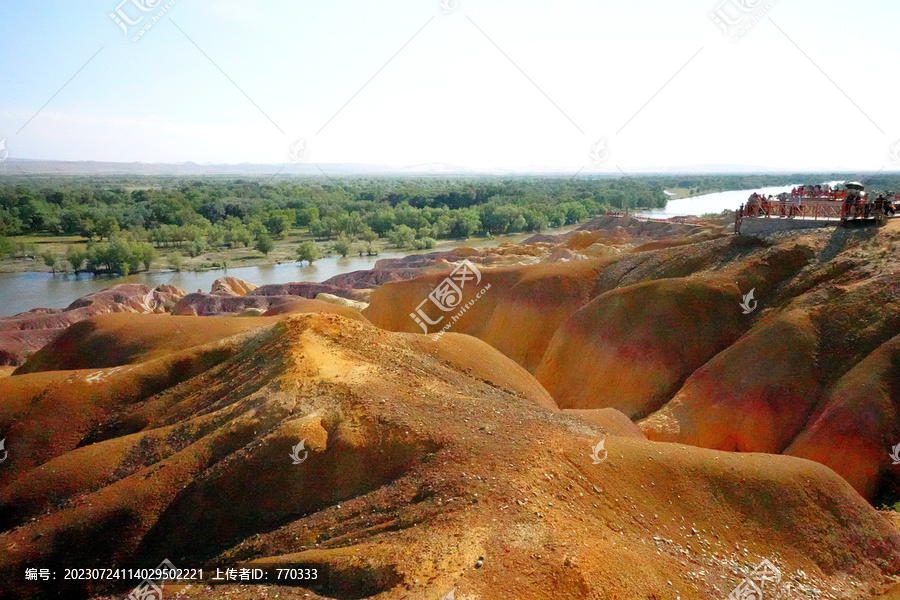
x: 790, y: 205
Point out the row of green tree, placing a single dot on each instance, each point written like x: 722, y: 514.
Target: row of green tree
x: 119, y: 256
x: 199, y: 214
x: 235, y: 211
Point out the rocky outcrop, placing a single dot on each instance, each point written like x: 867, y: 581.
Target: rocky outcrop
x: 309, y: 290
x: 231, y: 286
x: 369, y: 279
x: 207, y: 305
x: 354, y: 304
x: 261, y: 298
x: 23, y: 334
x: 134, y: 297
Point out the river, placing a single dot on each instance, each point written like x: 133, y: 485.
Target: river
x: 20, y: 292
x: 710, y: 203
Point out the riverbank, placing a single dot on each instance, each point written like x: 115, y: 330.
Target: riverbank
x: 284, y: 252
x: 679, y: 193
x: 25, y: 289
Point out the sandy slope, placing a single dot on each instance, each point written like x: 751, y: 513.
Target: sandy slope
x: 659, y: 333
x: 423, y: 456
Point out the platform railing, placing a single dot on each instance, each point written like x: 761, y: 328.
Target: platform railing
x: 807, y: 209
x: 815, y: 209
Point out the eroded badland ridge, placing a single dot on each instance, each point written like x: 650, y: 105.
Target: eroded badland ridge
x: 470, y: 461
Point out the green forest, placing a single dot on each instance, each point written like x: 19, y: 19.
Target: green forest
x: 128, y: 221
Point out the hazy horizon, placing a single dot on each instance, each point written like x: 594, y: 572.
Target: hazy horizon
x: 26, y: 167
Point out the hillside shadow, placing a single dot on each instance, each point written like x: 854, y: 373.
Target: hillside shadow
x: 859, y: 231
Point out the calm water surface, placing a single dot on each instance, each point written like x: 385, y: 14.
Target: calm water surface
x: 710, y: 203
x: 23, y: 291
x: 20, y: 292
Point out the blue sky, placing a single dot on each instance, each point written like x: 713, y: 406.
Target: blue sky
x: 809, y: 85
